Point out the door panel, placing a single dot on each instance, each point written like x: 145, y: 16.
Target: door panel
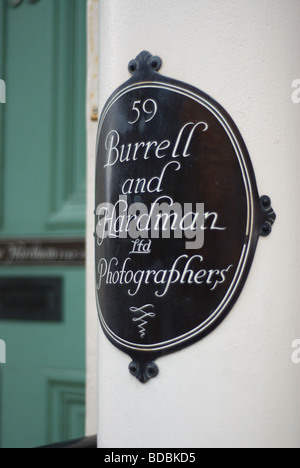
x: 43, y: 381
x: 42, y: 196
x: 44, y: 66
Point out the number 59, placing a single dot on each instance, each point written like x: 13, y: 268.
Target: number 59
x: 149, y: 107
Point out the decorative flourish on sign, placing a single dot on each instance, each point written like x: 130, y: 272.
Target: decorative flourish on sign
x: 140, y: 320
x: 15, y: 3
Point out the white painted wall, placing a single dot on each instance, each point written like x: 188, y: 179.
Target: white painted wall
x: 238, y: 387
x: 91, y: 313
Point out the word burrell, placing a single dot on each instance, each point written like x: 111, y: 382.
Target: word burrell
x: 2, y: 92
x: 131, y: 152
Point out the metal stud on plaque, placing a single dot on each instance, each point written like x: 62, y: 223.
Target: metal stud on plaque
x: 178, y: 216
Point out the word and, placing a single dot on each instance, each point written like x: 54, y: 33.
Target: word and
x: 296, y: 352
x: 165, y: 216
x: 164, y: 279
x: 143, y: 314
x: 2, y: 92
x: 142, y: 185
x: 2, y: 352
x: 296, y: 93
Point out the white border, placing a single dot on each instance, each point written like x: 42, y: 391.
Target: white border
x: 250, y: 218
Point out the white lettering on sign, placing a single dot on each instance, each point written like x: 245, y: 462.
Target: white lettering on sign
x: 149, y: 108
x: 192, y: 273
x: 164, y: 218
x: 131, y: 152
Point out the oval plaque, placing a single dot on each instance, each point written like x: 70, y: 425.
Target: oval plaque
x: 178, y: 215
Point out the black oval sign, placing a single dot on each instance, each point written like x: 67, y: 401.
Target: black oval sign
x: 178, y: 215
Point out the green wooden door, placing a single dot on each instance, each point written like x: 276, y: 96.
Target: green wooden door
x: 42, y: 196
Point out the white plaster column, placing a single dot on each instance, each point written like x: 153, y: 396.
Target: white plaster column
x: 237, y: 387
x: 91, y: 125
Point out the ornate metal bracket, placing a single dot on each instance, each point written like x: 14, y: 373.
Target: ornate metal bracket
x: 16, y: 3
x: 143, y: 371
x: 145, y: 62
x: 268, y: 216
